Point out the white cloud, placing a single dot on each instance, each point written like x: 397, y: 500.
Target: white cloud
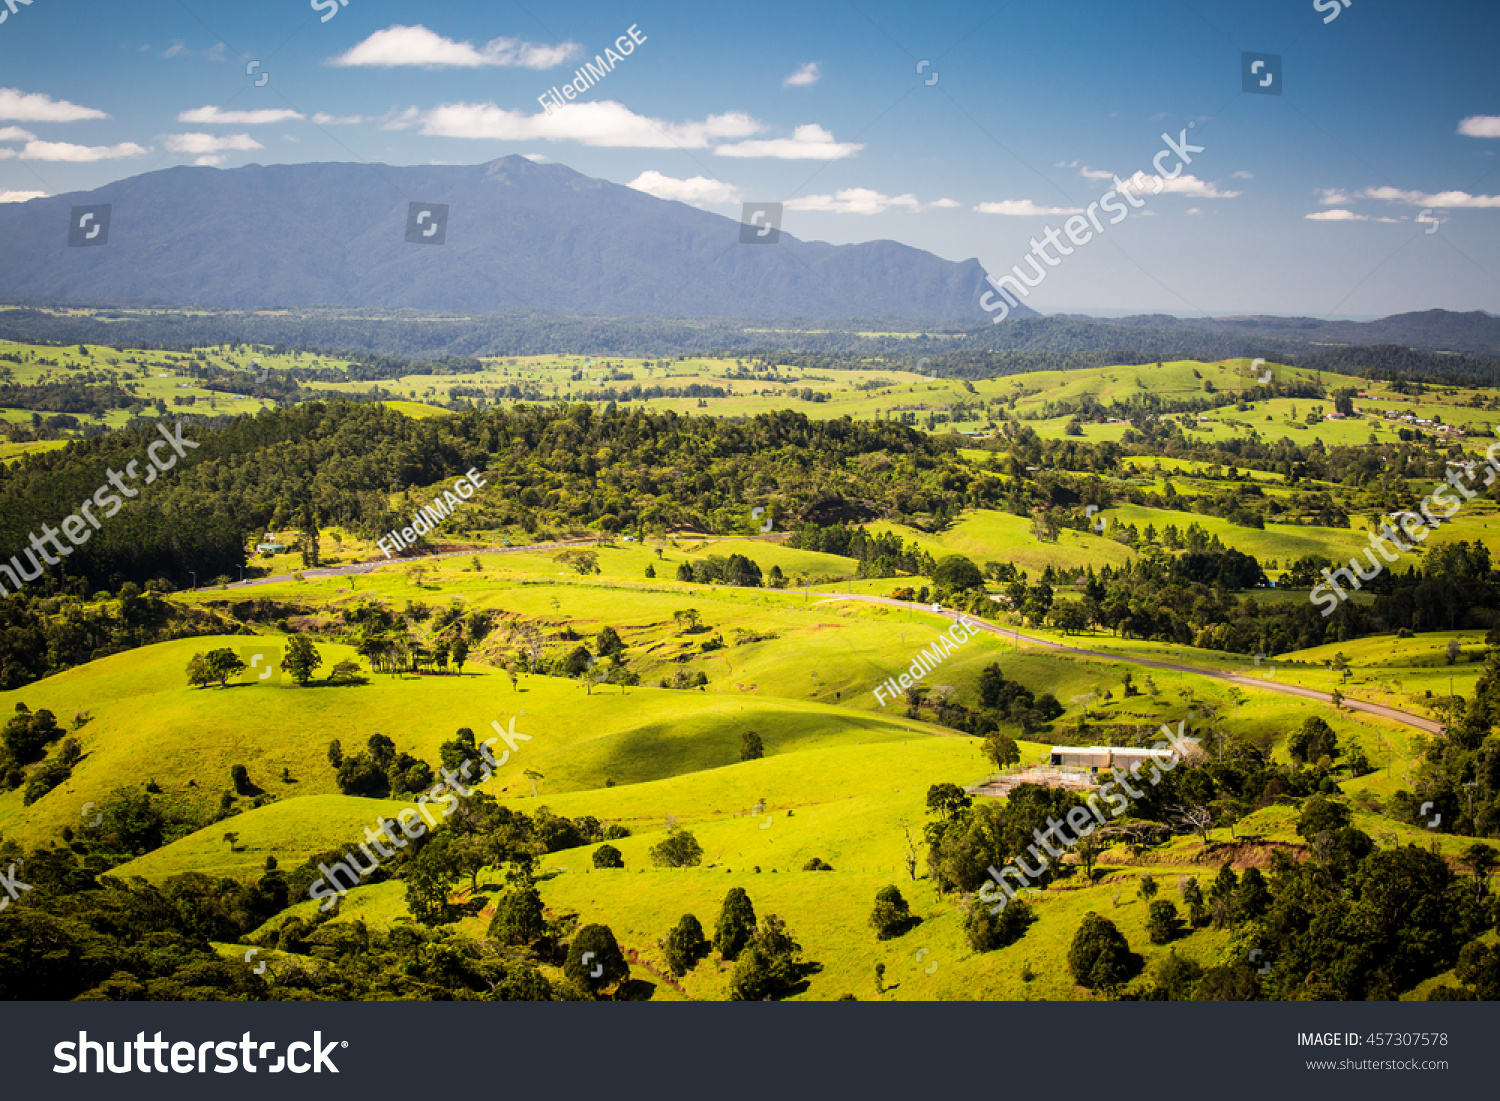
x: 1193, y: 210
x: 1243, y: 175
x: 1333, y: 196
x: 20, y: 196
x: 605, y: 123
x: 209, y: 143
x: 808, y: 74
x: 853, y: 200
x: 696, y: 190
x: 537, y: 158
x: 1186, y: 184
x: 1094, y: 173
x: 1447, y: 200
x: 404, y: 121
x: 321, y: 119
x: 1481, y: 126
x: 946, y: 204
x: 398, y: 45
x: 1336, y: 216
x: 240, y: 118
x: 178, y: 48
x: 7, y: 154
x: 210, y: 160
x: 64, y: 151
x: 808, y: 142
x: 1024, y: 208
x: 15, y: 133
x: 40, y: 107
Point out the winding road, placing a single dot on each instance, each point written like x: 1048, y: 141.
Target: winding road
x: 1418, y: 722
x: 1406, y: 718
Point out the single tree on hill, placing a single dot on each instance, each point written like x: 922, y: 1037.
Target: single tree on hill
x: 892, y: 914
x: 685, y: 945
x: 594, y: 960
x: 1099, y: 957
x: 736, y: 923
x: 751, y: 748
x: 679, y: 849
x: 1001, y: 749
x: 301, y: 658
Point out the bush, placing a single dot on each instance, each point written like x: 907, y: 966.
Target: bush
x: 769, y: 966
x: 1162, y: 922
x: 891, y: 916
x: 751, y: 748
x: 736, y: 923
x: 44, y: 778
x: 816, y: 865
x: 605, y: 958
x: 241, y: 777
x: 1099, y: 957
x: 987, y: 931
x: 685, y: 945
x: 607, y: 856
x: 519, y: 918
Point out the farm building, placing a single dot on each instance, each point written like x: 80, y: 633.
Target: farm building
x: 1096, y: 757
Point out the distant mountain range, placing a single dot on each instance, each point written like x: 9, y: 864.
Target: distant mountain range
x: 515, y: 235
x: 1474, y: 333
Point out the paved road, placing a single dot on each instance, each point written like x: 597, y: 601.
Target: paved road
x: 1419, y: 722
x: 399, y: 560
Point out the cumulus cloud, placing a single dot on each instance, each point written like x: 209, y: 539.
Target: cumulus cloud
x: 1243, y: 175
x: 1023, y: 208
x: 1186, y: 184
x: 202, y: 115
x: 321, y: 119
x: 946, y: 204
x: 1447, y: 200
x: 1337, y: 215
x: 15, y: 133
x: 418, y: 46
x: 808, y: 142
x: 64, y: 151
x: 804, y: 76
x: 854, y: 200
x: 605, y: 123
x: 1481, y: 126
x: 209, y: 143
x: 696, y: 190
x: 20, y: 196
x: 40, y: 107
x: 1334, y: 196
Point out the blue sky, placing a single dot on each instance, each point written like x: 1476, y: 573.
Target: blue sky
x: 1306, y: 203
